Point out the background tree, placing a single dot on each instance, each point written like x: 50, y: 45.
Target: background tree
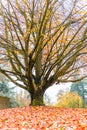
x: 6, y: 91
x: 80, y: 88
x: 70, y: 100
x: 42, y: 42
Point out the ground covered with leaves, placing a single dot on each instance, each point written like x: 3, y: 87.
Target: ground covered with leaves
x: 43, y: 118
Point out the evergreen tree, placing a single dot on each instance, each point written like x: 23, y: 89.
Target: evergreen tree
x: 79, y: 87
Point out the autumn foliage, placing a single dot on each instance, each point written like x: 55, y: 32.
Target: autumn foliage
x: 42, y: 42
x: 43, y: 118
x: 69, y: 100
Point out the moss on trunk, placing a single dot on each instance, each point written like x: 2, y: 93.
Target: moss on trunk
x: 37, y: 98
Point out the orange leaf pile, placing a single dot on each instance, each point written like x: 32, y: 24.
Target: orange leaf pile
x: 43, y: 118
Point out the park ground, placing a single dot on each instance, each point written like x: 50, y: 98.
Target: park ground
x: 43, y: 118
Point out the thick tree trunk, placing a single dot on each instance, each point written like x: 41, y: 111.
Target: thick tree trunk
x: 37, y: 98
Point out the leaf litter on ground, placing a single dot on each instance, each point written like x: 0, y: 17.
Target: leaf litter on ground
x: 43, y: 118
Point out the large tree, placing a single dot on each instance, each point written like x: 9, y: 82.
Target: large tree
x: 42, y: 42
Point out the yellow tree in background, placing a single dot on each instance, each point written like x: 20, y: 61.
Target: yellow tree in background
x: 42, y: 42
x: 70, y: 100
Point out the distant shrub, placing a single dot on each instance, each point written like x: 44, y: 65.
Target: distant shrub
x: 70, y: 100
x: 14, y: 103
x: 21, y: 99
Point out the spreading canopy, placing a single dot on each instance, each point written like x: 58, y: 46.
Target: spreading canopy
x: 42, y: 42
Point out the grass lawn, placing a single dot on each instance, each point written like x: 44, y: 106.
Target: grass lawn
x: 43, y: 118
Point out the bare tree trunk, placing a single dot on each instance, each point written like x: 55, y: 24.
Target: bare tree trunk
x: 37, y: 98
